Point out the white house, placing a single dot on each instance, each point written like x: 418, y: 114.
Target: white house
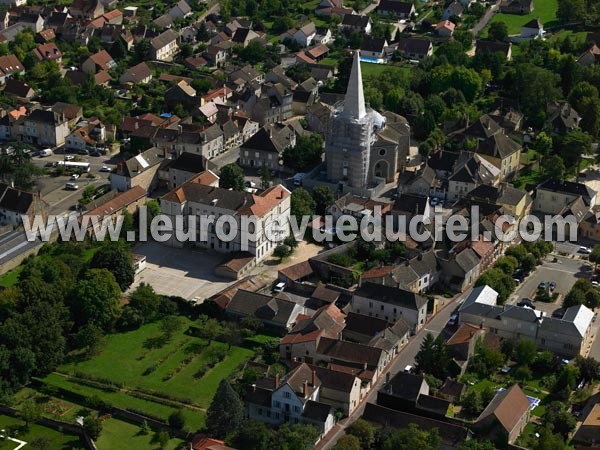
x: 303, y: 36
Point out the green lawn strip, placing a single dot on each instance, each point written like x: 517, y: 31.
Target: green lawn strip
x: 544, y: 9
x: 195, y: 419
x: 11, y: 278
x: 208, y: 384
x: 527, y: 439
x: 119, y: 435
x: 58, y: 440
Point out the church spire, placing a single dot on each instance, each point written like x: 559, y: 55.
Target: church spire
x: 355, y: 98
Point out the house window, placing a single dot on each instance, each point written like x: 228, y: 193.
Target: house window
x: 287, y: 395
x: 277, y: 404
x: 382, y: 307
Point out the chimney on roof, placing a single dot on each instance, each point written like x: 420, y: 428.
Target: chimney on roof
x: 305, y: 388
x: 314, y: 377
x: 276, y: 380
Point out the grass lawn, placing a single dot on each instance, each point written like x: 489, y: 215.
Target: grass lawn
x: 527, y: 177
x: 10, y: 278
x: 126, y: 356
x: 544, y: 9
x: 370, y: 69
x: 119, y: 435
x: 58, y: 441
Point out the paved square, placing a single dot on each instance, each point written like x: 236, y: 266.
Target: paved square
x: 182, y: 272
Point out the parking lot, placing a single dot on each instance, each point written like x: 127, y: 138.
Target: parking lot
x: 182, y: 272
x: 564, y: 272
x: 53, y: 189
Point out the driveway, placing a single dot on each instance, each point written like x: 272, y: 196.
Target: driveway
x: 485, y: 19
x: 182, y: 272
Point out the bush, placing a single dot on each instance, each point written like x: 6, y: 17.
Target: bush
x: 341, y: 259
x: 282, y: 251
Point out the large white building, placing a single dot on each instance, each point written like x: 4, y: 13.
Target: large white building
x: 196, y: 199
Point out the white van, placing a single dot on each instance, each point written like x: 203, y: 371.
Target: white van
x: 45, y: 152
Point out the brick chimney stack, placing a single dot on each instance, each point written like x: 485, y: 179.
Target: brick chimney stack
x: 276, y: 380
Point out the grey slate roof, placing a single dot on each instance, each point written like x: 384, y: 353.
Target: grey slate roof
x: 391, y: 295
x: 405, y: 386
x: 262, y: 306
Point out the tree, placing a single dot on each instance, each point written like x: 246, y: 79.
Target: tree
x: 566, y: 381
x: 364, y: 431
x: 202, y: 33
x: 282, y: 251
x: 575, y: 297
x: 209, y: 328
x: 507, y: 264
x: 88, y: 194
x: 302, y: 203
x: 498, y: 31
x: 526, y: 351
x: 348, y: 442
x: 535, y: 87
x: 177, y: 420
x: 411, y: 438
x: 117, y: 259
x: 471, y: 402
x: 499, y: 281
x: 473, y: 444
x: 554, y: 167
x: 306, y: 154
x: 265, y: 177
x: 251, y: 435
x: 232, y: 177
x: 89, y: 338
x: 96, y: 299
x: 486, y: 361
x: 574, y: 144
x: 550, y: 441
x: 433, y: 357
x: 145, y: 300
x: 571, y: 10
x: 226, y: 411
x: 296, y: 437
x: 161, y: 438
x: 561, y: 420
x: 31, y: 412
x: 169, y: 325
x: 92, y: 426
x: 323, y: 197
x: 589, y: 368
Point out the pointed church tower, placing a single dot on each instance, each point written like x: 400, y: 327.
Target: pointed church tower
x: 354, y: 102
x: 350, y: 136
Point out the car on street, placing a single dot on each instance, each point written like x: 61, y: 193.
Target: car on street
x: 75, y: 176
x: 69, y: 157
x: 584, y: 250
x: 71, y: 186
x: 105, y: 168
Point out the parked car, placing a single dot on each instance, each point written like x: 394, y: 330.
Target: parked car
x: 584, y: 250
x: 75, y: 176
x: 45, y: 152
x: 71, y: 186
x: 82, y: 151
x: 279, y: 287
x: 408, y: 369
x: 542, y: 286
x: 434, y: 201
x: 552, y: 285
x: 105, y: 168
x: 526, y: 303
x: 558, y: 313
x: 69, y: 157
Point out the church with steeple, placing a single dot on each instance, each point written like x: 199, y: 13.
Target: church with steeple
x: 364, y: 148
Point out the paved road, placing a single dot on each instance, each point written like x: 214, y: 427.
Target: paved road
x: 406, y: 357
x: 13, y: 244
x: 485, y: 19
